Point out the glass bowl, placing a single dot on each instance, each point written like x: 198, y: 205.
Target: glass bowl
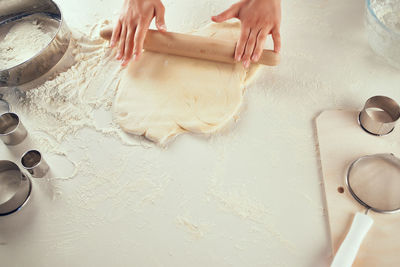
x: 382, y: 21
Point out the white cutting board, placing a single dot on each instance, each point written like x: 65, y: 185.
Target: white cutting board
x: 341, y: 140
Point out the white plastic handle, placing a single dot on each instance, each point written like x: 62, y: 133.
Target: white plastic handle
x: 348, y: 249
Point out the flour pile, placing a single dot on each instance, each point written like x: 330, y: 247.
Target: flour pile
x: 22, y: 39
x: 66, y: 99
x: 69, y: 97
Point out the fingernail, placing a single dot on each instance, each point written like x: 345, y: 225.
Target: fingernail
x: 238, y: 58
x: 125, y: 62
x: 163, y: 27
x: 118, y: 56
x: 246, y: 64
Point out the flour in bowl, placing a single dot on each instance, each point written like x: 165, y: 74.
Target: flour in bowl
x: 22, y: 39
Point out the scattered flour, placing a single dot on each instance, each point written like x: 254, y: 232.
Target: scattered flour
x: 66, y: 99
x: 20, y: 40
x: 194, y: 229
x: 239, y: 202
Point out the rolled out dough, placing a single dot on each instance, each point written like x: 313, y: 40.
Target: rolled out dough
x: 161, y: 96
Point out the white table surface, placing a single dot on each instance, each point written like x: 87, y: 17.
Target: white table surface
x: 251, y: 196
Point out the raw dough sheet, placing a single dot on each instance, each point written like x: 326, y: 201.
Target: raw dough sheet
x: 161, y: 96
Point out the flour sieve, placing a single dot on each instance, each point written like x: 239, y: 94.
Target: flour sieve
x: 13, y: 12
x: 374, y: 182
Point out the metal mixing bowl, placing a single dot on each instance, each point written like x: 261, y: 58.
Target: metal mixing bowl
x: 13, y: 11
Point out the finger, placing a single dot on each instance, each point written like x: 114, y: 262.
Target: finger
x: 115, y: 34
x: 276, y: 36
x: 244, y: 35
x: 160, y: 21
x: 121, y: 45
x: 261, y: 37
x: 140, y: 34
x: 227, y: 14
x: 128, y: 46
x: 250, y: 44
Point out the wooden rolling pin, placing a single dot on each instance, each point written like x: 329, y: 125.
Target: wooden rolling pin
x: 194, y: 46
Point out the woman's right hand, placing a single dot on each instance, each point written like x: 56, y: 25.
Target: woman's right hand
x: 131, y: 28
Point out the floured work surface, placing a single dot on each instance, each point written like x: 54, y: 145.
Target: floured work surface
x: 341, y: 141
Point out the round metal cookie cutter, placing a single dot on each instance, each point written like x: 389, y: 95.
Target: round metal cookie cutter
x: 379, y: 115
x: 33, y: 162
x: 12, y: 11
x: 15, y: 188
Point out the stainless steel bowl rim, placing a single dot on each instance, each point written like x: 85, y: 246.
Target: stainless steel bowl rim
x: 44, y: 48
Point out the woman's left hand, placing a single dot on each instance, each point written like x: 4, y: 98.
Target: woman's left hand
x: 259, y: 18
